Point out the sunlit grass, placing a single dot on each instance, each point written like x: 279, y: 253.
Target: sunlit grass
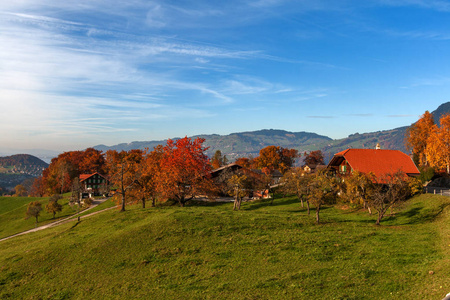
x: 208, y: 251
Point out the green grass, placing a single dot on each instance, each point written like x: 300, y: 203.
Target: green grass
x: 13, y: 209
x: 208, y: 251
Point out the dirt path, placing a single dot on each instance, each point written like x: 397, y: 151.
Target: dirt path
x: 64, y: 221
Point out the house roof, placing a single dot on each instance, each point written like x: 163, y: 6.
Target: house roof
x: 83, y: 177
x: 380, y: 162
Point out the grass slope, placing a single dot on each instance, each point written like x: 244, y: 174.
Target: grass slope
x: 211, y: 252
x: 13, y: 209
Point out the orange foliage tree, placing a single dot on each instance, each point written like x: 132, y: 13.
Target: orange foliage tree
x: 185, y: 170
x: 124, y: 172
x: 417, y: 137
x: 438, y: 144
x: 276, y: 158
x: 59, y: 175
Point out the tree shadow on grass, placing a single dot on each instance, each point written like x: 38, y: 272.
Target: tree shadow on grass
x: 417, y: 215
x: 254, y: 205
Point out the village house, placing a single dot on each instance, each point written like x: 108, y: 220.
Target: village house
x: 377, y: 161
x: 93, y: 185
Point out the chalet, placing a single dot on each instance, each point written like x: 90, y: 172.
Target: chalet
x: 93, y: 185
x: 379, y: 162
x: 311, y: 168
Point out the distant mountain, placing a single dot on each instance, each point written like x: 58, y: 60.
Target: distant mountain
x: 19, y: 168
x: 22, y: 164
x: 249, y: 143
x: 242, y: 144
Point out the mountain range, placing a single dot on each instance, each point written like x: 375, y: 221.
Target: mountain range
x: 245, y: 144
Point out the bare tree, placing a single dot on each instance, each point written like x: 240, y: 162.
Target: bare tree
x: 391, y: 189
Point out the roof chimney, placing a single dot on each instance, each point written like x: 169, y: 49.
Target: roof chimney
x: 378, y: 147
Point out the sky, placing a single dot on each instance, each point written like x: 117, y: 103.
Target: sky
x: 75, y: 74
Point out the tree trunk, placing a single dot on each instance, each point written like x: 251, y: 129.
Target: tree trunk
x: 301, y: 200
x: 143, y: 202
x: 317, y: 214
x: 380, y: 216
x: 123, y: 202
x: 153, y: 202
x: 36, y: 222
x: 307, y: 205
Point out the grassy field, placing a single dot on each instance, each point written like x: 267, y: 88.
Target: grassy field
x: 13, y: 209
x: 207, y: 251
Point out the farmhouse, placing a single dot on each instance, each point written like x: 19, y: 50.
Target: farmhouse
x: 93, y: 185
x: 379, y: 162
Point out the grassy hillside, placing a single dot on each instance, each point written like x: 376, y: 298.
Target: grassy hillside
x: 211, y: 252
x: 13, y: 209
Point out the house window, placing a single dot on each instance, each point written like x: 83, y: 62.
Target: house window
x: 343, y: 168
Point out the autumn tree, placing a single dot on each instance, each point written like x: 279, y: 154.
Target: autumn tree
x: 313, y: 158
x: 321, y: 191
x: 237, y: 187
x: 53, y: 206
x: 59, y: 175
x: 417, y: 137
x: 276, y: 158
x: 391, y: 189
x: 146, y: 181
x: 296, y: 182
x: 359, y: 188
x: 38, y: 187
x: 20, y: 191
x: 219, y: 160
x: 244, y: 162
x: 123, y: 171
x: 34, y: 210
x: 185, y: 170
x: 438, y: 144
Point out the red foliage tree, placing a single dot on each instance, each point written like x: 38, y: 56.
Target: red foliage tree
x: 185, y: 170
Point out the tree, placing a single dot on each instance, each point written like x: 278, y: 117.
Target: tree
x: 244, y: 162
x: 20, y: 191
x: 391, y: 189
x: 237, y: 186
x: 417, y: 137
x: 276, y: 158
x: 218, y: 160
x: 321, y: 191
x: 53, y: 206
x: 146, y: 181
x: 123, y: 171
x: 185, y: 170
x: 359, y: 188
x: 34, y: 210
x: 438, y: 144
x: 296, y: 182
x: 313, y: 158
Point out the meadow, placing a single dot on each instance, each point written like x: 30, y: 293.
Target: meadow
x: 208, y: 251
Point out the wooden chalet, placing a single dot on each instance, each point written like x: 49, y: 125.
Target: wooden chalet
x: 93, y: 185
x: 379, y: 162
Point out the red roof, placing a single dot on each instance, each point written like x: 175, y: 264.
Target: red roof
x: 86, y: 176
x: 380, y: 162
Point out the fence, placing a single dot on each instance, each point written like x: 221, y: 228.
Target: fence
x: 437, y: 190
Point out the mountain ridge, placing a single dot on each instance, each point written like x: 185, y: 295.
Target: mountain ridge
x: 248, y: 143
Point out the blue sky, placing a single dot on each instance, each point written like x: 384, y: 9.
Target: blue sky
x: 74, y: 74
